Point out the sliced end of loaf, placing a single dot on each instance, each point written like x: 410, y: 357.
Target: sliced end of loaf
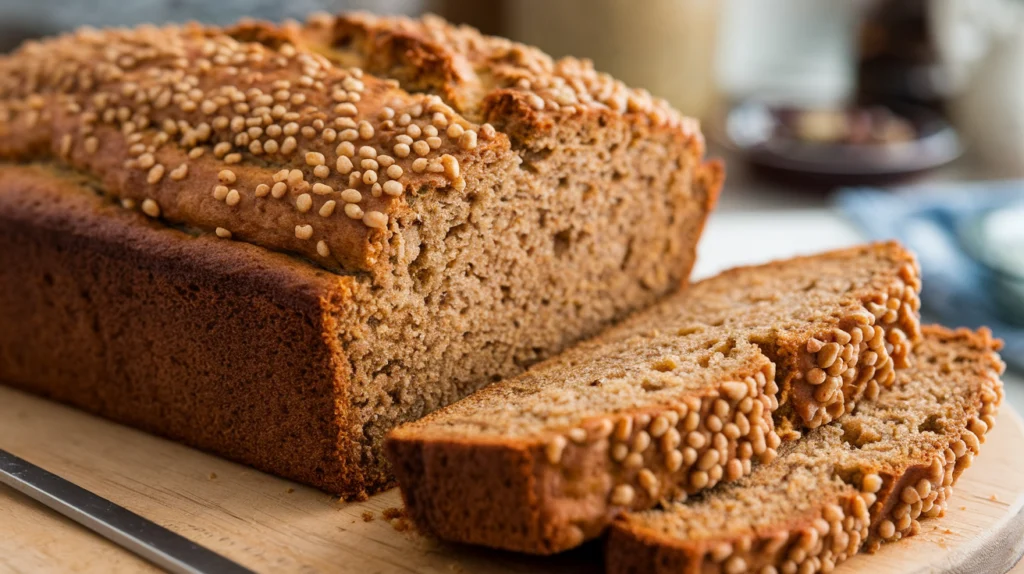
x: 864, y: 479
x: 672, y: 401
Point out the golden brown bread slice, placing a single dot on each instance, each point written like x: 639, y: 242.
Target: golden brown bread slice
x: 673, y: 400
x: 864, y: 479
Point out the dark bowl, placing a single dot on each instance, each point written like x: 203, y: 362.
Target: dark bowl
x: 752, y: 130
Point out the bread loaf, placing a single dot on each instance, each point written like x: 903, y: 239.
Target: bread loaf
x: 868, y: 477
x: 278, y: 242
x: 675, y: 399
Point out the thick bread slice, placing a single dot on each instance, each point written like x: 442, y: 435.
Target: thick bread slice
x: 673, y: 401
x: 864, y: 479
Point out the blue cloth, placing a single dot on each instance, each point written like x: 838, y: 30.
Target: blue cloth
x: 925, y: 218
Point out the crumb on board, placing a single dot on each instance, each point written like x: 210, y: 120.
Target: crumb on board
x: 368, y: 516
x: 213, y: 476
x: 963, y: 508
x: 994, y: 498
x: 290, y: 490
x: 397, y: 518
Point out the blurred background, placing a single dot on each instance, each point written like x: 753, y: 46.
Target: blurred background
x: 840, y: 121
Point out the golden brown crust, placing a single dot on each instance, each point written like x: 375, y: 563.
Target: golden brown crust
x: 185, y: 336
x: 876, y: 503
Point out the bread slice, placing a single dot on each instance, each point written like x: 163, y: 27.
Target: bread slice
x: 865, y: 479
x: 674, y: 400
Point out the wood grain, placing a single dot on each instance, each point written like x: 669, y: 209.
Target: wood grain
x: 270, y: 524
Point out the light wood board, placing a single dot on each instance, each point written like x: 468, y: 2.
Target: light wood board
x: 272, y: 525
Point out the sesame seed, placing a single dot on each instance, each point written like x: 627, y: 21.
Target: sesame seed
x: 262, y: 190
x: 288, y: 145
x: 369, y: 177
x: 395, y: 171
x: 369, y: 164
x: 321, y: 171
x: 385, y: 160
x: 329, y: 135
x: 375, y: 219
x: 401, y: 150
x: 303, y: 231
x: 314, y: 158
x: 468, y: 140
x: 303, y: 203
x: 434, y: 142
x: 155, y: 174
x: 150, y: 208
x: 327, y: 208
x: 222, y: 233
x: 270, y: 146
x: 393, y: 188
x: 179, y: 173
x: 345, y: 110
x: 354, y: 178
x: 91, y: 145
x: 146, y: 160
x: 343, y: 165
x: 128, y: 203
x: 365, y: 130
x: 419, y: 165
x: 414, y: 131
x: 349, y: 135
x: 322, y: 249
x: 354, y: 211
x: 346, y: 148
x: 256, y: 148
x: 233, y: 158
x: 280, y: 188
x: 220, y: 192
x: 404, y: 119
x: 196, y: 152
x: 322, y: 189
x: 308, y: 132
x: 351, y: 196
x: 421, y: 148
x: 291, y: 128
x: 451, y: 166
x: 430, y: 131
x: 232, y: 198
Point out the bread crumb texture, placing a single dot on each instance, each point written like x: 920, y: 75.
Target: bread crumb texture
x: 438, y: 209
x: 689, y: 394
x: 867, y: 478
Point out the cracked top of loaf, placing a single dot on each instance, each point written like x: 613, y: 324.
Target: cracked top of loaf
x: 312, y: 138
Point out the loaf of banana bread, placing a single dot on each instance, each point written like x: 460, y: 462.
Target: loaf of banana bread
x: 278, y: 242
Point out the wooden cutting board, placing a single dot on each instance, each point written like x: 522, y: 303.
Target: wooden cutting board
x: 273, y: 525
